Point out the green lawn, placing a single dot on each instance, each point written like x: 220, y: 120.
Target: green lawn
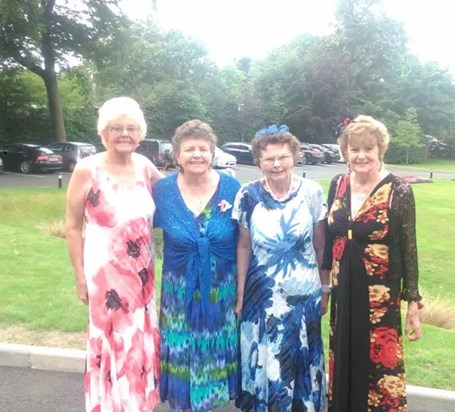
x: 37, y: 285
x: 435, y: 165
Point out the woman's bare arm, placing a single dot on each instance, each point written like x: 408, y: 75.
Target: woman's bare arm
x: 243, y: 262
x: 319, y: 244
x: 75, y: 207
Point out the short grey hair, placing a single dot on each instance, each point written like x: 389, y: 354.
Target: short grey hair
x: 261, y: 141
x: 117, y: 107
x: 194, y: 128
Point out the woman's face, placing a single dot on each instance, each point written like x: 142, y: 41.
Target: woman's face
x: 363, y: 157
x: 277, y: 162
x: 122, y: 135
x: 195, y: 155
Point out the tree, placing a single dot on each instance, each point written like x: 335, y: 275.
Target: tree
x: 408, y: 133
x: 44, y: 35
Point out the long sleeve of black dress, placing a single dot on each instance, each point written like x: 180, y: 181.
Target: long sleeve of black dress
x: 403, y: 243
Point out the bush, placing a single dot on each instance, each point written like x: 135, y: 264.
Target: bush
x: 55, y: 228
x: 438, y: 312
x: 397, y: 154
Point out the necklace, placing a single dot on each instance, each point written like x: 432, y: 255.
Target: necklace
x: 268, y: 186
x: 194, y: 201
x: 196, y: 197
x: 360, y: 197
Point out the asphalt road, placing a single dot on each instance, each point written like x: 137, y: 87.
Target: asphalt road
x: 27, y: 390
x: 244, y: 173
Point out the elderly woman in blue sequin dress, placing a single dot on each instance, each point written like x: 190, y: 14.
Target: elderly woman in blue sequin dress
x: 281, y: 293
x: 199, y: 340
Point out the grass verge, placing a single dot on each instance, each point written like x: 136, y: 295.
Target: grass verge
x: 38, y: 295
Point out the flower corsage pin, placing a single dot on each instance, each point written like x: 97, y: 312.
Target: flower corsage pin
x: 224, y: 205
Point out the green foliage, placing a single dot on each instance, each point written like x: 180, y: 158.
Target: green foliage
x: 401, y: 155
x: 41, y: 36
x: 26, y: 112
x: 407, y: 146
x: 311, y: 83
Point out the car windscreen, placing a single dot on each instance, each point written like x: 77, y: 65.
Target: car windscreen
x: 44, y: 150
x: 88, y: 149
x: 166, y: 147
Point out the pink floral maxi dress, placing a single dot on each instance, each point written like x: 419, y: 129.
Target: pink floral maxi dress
x: 123, y: 339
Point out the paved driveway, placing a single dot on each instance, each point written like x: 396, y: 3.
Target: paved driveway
x: 244, y: 173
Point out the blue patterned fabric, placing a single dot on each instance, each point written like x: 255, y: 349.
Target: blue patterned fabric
x: 189, y: 248
x: 199, y: 339
x: 281, y: 347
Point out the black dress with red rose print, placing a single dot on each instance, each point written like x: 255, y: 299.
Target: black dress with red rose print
x: 373, y: 262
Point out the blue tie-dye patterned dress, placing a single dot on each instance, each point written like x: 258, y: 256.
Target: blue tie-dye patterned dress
x: 282, y: 362
x: 199, y: 339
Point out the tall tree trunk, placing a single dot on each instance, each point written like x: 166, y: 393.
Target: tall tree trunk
x: 55, y: 107
x: 49, y: 76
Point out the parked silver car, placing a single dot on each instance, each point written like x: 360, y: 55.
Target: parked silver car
x: 222, y: 159
x: 72, y: 152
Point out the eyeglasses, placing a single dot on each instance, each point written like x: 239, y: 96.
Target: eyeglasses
x: 270, y: 161
x: 131, y: 130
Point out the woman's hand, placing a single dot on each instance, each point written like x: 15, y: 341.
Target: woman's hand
x: 81, y: 290
x: 412, y: 328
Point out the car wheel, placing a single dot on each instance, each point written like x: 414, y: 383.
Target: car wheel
x: 25, y: 166
x: 71, y: 166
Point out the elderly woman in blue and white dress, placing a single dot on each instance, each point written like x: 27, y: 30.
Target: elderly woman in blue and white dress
x: 281, y: 293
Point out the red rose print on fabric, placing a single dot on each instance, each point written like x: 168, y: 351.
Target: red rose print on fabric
x: 343, y: 186
x: 391, y: 404
x: 384, y: 347
x: 338, y: 247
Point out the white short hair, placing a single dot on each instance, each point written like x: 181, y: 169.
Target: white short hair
x: 117, y: 107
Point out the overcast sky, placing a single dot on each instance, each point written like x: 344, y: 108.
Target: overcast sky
x: 231, y: 29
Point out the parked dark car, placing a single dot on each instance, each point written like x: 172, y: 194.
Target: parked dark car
x: 158, y: 151
x: 312, y: 156
x: 329, y: 155
x: 26, y: 158
x: 72, y: 152
x: 241, y: 151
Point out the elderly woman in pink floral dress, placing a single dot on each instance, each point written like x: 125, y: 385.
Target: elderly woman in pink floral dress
x: 110, y: 241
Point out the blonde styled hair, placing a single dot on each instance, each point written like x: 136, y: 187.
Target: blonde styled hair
x: 366, y: 130
x: 118, y: 107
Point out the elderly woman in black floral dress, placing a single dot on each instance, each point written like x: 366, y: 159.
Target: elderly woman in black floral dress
x: 372, y: 254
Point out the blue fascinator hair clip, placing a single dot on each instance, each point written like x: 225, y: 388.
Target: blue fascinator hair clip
x: 272, y: 129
